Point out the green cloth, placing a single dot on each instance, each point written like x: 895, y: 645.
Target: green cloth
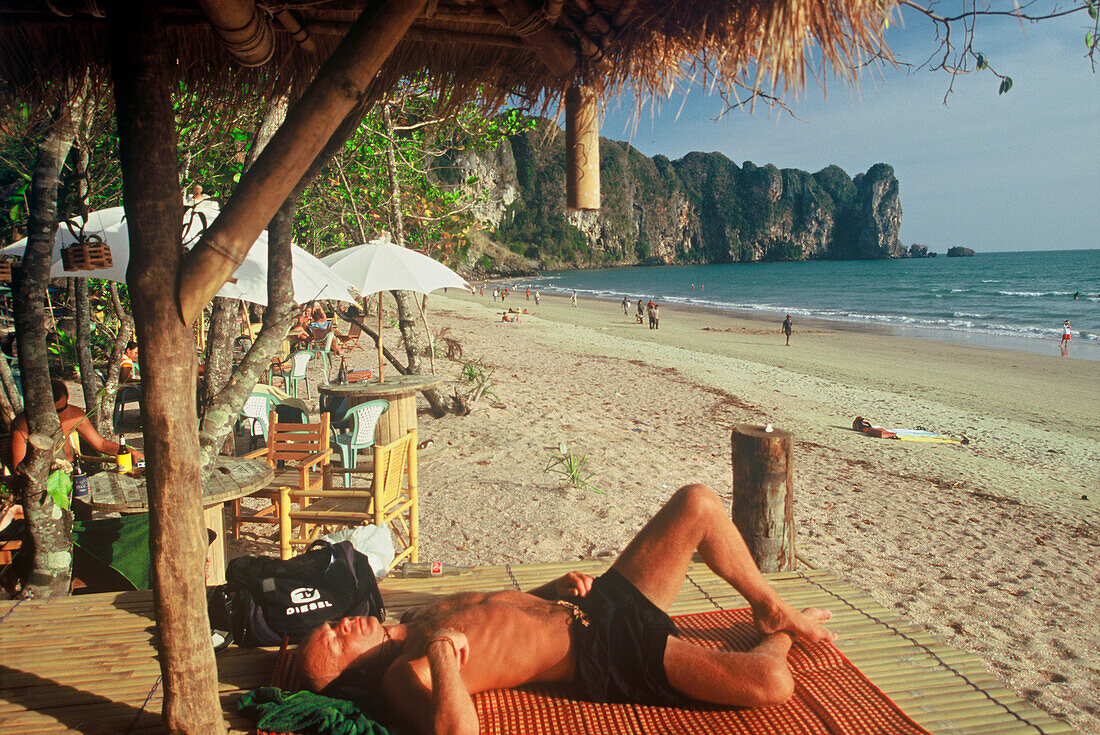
x: 121, y: 543
x: 276, y: 710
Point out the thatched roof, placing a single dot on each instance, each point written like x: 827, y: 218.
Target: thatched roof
x: 485, y: 48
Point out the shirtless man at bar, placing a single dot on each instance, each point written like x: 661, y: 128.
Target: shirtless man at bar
x: 609, y: 637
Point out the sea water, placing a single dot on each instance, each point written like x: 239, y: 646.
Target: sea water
x: 1008, y: 300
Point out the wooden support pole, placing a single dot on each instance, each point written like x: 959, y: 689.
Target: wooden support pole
x: 142, y: 73
x: 582, y: 148
x: 763, y: 495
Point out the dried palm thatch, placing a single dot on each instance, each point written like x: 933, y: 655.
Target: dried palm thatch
x: 479, y: 49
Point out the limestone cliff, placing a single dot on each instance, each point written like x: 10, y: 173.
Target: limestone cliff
x: 702, y: 208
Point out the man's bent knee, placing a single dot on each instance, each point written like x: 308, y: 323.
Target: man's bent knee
x: 697, y: 498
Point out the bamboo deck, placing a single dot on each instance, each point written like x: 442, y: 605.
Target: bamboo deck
x: 87, y: 664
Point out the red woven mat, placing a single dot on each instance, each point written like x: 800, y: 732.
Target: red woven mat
x: 831, y: 697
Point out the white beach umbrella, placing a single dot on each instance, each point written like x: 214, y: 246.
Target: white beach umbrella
x: 312, y: 279
x: 381, y: 265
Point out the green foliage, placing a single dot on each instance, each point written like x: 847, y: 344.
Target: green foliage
x: 479, y: 377
x: 63, y: 347
x: 572, y: 469
x: 1006, y: 84
x: 59, y: 486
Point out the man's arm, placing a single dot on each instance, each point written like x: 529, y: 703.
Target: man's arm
x: 99, y: 443
x: 571, y: 585
x: 428, y: 693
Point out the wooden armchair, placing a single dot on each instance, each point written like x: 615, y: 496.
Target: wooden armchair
x: 390, y: 501
x: 300, y: 455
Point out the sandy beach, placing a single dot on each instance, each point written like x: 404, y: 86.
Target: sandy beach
x: 992, y: 546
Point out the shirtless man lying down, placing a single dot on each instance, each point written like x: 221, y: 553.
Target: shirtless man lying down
x: 609, y: 637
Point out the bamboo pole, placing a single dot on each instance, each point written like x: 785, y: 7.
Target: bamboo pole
x: 763, y: 494
x: 338, y: 88
x: 380, y: 379
x: 582, y: 148
x: 245, y: 32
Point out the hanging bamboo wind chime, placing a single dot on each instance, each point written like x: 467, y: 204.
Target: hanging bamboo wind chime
x: 582, y: 147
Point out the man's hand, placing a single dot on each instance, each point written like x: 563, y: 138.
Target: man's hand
x: 573, y: 584
x: 457, y: 640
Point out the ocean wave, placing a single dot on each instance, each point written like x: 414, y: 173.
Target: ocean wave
x: 1034, y: 294
x: 960, y: 290
x: 965, y: 315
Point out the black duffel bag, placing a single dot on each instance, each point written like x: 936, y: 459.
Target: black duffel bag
x: 270, y: 599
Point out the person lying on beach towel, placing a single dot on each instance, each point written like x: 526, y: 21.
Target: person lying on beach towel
x: 906, y: 435
x: 609, y: 637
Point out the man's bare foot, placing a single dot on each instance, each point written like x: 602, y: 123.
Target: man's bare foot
x: 774, y: 617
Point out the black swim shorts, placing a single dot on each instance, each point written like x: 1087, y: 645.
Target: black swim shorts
x: 620, y: 646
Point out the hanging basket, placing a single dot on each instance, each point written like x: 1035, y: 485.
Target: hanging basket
x: 89, y: 254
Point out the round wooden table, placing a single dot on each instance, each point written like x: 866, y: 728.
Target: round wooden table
x: 233, y: 477
x: 399, y: 390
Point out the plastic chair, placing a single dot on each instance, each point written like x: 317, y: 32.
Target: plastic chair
x: 126, y: 394
x: 390, y: 501
x: 255, y: 416
x: 298, y: 362
x: 320, y: 344
x: 296, y: 452
x: 356, y: 431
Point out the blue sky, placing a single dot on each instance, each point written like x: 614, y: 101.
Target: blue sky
x: 1019, y: 171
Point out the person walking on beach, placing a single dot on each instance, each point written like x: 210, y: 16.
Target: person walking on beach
x: 787, y: 329
x: 641, y: 310
x: 626, y: 305
x: 537, y: 297
x: 573, y: 300
x: 1066, y: 334
x: 528, y: 298
x: 656, y: 315
x: 610, y: 637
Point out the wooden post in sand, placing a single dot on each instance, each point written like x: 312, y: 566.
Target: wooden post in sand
x: 763, y: 494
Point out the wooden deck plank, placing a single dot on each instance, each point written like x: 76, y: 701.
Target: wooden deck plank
x: 98, y: 678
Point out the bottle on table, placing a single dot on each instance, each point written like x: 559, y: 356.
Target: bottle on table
x: 80, y: 480
x: 124, y: 460
x: 342, y: 374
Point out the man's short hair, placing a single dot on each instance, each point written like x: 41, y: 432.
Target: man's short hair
x: 130, y: 345
x: 60, y: 390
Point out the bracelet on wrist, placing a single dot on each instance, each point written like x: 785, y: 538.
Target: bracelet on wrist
x: 444, y: 639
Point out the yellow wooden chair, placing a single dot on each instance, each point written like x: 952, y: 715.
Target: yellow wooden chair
x: 300, y: 455
x: 389, y: 501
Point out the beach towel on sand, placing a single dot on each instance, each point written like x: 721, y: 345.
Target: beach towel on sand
x: 906, y: 435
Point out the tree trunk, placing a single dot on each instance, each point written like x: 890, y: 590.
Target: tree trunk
x: 114, y: 365
x: 49, y: 525
x: 11, y: 393
x: 227, y: 388
x: 278, y: 318
x: 88, y: 380
x: 406, y: 300
x: 142, y: 75
x: 225, y: 321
